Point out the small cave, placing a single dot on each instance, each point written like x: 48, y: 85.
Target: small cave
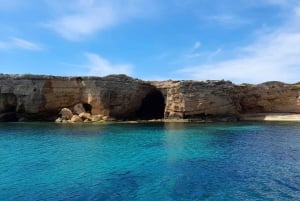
x: 87, y: 107
x: 153, y: 106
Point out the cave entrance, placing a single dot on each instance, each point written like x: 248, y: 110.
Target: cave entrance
x: 87, y: 107
x: 153, y: 106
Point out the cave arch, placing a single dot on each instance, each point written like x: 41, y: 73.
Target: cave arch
x: 87, y: 107
x: 152, y: 107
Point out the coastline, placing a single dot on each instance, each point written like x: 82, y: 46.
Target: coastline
x: 119, y: 97
x: 260, y: 117
x: 271, y: 117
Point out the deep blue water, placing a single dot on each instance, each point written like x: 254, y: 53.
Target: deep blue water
x: 171, y: 161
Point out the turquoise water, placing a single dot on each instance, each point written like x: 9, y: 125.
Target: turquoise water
x: 171, y: 161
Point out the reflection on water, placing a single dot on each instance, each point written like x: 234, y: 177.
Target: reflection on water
x: 171, y: 161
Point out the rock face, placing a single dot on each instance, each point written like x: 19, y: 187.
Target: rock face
x: 29, y: 97
x: 191, y: 99
x: 270, y: 97
x: 222, y: 100
x: 42, y: 97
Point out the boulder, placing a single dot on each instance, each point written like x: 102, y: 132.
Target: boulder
x: 97, y: 117
x: 66, y: 114
x: 78, y: 108
x: 58, y: 120
x: 76, y: 119
x: 85, y: 116
x: 105, y: 118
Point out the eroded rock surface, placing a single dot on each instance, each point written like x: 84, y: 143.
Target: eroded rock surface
x: 270, y: 97
x: 191, y: 99
x: 223, y: 100
x: 29, y: 97
x: 66, y: 114
x: 33, y: 97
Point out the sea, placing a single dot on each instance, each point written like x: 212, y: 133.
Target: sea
x: 150, y: 161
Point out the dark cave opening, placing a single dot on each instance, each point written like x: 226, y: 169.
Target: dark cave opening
x: 153, y: 106
x: 87, y: 107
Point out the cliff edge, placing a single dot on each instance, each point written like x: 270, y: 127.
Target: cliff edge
x: 33, y: 97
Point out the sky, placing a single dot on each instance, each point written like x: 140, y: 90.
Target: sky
x: 238, y: 40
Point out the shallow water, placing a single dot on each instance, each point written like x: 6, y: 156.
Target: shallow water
x: 171, y: 161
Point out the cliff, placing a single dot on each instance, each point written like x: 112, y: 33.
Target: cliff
x: 223, y: 100
x: 29, y: 97
x: 42, y: 97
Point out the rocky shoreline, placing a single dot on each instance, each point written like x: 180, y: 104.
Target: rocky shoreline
x: 122, y: 98
x: 271, y: 117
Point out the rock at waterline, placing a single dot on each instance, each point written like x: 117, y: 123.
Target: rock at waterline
x: 66, y: 114
x: 78, y: 109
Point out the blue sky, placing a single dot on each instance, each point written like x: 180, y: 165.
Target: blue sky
x: 238, y: 40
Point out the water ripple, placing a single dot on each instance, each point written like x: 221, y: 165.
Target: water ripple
x: 242, y: 161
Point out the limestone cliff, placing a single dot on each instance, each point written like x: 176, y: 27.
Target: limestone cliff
x: 192, y: 99
x: 223, y: 100
x: 42, y: 97
x: 29, y: 97
x: 270, y: 97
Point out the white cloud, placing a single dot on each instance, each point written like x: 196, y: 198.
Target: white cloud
x: 86, y: 17
x: 226, y: 20
x: 272, y: 56
x: 197, y: 45
x: 99, y: 66
x: 25, y: 44
x: 213, y: 54
x: 73, y: 27
x: 193, y: 52
x: 19, y: 43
